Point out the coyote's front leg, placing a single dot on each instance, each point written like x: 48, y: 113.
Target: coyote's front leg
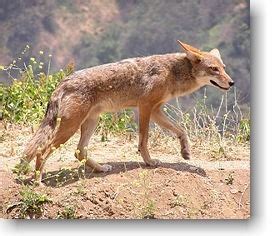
x: 160, y: 118
x: 144, y: 119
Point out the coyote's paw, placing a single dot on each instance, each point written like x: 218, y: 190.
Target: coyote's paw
x: 186, y: 154
x: 153, y: 162
x: 106, y: 168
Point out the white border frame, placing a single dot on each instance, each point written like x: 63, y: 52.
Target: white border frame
x: 261, y: 163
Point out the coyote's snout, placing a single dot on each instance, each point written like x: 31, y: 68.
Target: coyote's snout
x: 143, y: 82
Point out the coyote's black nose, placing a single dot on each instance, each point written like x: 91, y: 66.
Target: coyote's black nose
x: 231, y: 83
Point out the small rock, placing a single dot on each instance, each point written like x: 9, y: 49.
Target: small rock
x: 95, y: 201
x: 193, y: 168
x: 100, y: 199
x: 233, y: 190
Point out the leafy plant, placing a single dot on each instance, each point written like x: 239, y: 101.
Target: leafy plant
x: 244, y: 131
x: 69, y: 212
x: 21, y: 170
x: 31, y: 204
x: 148, y: 211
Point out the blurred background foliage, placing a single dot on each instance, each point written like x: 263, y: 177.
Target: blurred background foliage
x: 94, y: 32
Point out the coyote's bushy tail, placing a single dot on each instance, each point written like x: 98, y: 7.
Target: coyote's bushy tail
x: 42, y: 138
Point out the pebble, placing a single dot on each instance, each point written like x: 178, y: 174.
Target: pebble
x: 233, y: 190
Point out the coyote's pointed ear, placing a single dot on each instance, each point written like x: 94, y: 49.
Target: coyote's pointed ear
x: 215, y: 52
x: 193, y: 53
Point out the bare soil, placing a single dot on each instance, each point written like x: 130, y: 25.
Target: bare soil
x: 213, y: 185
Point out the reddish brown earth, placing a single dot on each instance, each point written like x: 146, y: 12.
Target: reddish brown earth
x: 206, y: 187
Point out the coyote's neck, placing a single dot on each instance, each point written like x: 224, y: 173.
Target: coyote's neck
x: 182, y: 79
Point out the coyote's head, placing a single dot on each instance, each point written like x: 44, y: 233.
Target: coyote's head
x: 208, y: 67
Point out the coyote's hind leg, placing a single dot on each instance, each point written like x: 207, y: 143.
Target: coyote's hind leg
x: 62, y: 134
x: 87, y: 129
x: 71, y: 118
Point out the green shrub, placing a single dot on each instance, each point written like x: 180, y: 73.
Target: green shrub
x: 25, y: 99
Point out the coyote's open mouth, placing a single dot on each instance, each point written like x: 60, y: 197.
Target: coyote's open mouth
x: 214, y: 83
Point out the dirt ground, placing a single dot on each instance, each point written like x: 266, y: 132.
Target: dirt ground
x: 212, y: 185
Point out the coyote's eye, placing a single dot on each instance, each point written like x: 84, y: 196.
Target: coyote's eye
x: 214, y: 69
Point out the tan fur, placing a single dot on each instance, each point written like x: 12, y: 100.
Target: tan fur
x: 144, y: 82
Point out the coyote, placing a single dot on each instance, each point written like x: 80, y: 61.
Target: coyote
x: 143, y: 82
